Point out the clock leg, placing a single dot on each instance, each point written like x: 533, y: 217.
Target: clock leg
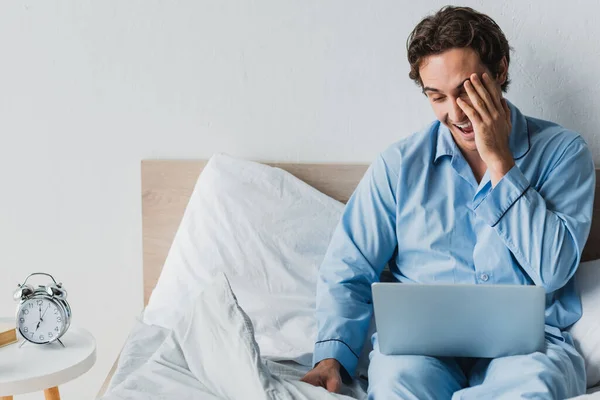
x: 52, y: 393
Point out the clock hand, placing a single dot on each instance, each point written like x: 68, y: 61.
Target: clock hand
x: 45, y: 312
x: 37, y: 327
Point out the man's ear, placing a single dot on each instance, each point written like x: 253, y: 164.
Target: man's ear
x: 502, y: 71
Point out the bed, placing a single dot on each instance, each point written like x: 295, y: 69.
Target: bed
x: 168, y: 184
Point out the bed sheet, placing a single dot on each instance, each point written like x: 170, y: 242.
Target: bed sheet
x: 210, y: 354
x: 153, y: 363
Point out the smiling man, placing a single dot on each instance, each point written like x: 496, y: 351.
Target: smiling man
x: 483, y: 195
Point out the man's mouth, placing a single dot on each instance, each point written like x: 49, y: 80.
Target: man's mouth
x: 466, y: 128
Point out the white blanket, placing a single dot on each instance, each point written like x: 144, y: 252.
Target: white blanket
x: 212, y: 354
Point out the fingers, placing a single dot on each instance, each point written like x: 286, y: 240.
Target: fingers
x: 481, y: 99
x: 310, y: 379
x: 494, y: 92
x: 506, y: 110
x: 470, y: 111
x: 330, y: 382
x: 333, y: 385
x: 507, y: 114
x: 315, y: 379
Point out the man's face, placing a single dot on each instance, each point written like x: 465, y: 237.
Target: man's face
x: 443, y: 76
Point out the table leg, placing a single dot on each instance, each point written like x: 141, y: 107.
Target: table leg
x: 52, y: 393
x: 6, y: 398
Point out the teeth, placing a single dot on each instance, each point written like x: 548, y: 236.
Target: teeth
x: 464, y: 126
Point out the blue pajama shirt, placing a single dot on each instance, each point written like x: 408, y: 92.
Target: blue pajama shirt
x: 420, y: 210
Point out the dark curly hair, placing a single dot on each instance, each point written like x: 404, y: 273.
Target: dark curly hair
x: 458, y: 27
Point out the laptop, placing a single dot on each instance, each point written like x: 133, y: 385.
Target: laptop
x: 459, y: 320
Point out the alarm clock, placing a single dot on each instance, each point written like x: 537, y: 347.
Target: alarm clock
x: 43, y: 314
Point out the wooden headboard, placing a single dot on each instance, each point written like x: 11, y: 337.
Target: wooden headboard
x: 167, y: 186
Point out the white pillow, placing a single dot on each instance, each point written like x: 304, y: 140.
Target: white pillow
x: 268, y: 232
x: 586, y: 331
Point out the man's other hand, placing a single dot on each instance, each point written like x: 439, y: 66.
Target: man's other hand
x: 325, y: 374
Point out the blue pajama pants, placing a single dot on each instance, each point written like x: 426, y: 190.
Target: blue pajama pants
x: 559, y: 373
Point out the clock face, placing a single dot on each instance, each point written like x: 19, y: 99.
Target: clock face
x: 40, y: 320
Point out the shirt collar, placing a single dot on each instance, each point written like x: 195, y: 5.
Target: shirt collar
x: 519, y: 141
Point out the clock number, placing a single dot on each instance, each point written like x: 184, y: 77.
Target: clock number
x: 30, y: 305
x: 26, y: 329
x: 40, y: 302
x: 50, y: 334
x: 58, y: 319
x: 55, y: 311
x: 41, y: 337
x: 31, y: 333
x: 21, y: 320
x: 26, y: 311
x: 56, y: 329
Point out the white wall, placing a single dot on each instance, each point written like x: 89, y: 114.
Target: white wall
x: 88, y: 89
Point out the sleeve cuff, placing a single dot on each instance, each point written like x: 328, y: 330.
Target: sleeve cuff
x: 510, y: 188
x: 339, y: 350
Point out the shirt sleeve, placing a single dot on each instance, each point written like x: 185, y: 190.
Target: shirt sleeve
x: 362, y: 244
x: 545, y: 229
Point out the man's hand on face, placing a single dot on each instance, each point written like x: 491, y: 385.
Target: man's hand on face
x: 490, y: 116
x: 326, y: 374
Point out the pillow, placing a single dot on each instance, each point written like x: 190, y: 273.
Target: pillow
x: 586, y: 331
x: 268, y: 232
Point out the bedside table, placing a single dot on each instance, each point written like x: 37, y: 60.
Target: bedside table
x: 37, y: 367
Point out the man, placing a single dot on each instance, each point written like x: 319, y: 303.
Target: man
x: 484, y: 195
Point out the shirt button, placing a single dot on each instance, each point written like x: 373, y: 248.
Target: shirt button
x: 484, y: 277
